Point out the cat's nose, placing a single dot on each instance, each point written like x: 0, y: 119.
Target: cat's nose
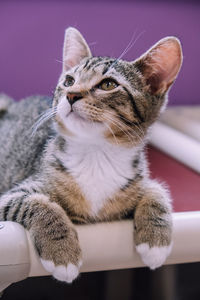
x: 73, y: 97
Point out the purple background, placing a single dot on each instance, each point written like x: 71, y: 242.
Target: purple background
x: 32, y: 32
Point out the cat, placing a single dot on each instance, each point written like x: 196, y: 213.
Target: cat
x: 89, y: 166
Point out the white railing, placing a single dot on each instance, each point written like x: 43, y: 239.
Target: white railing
x: 105, y: 246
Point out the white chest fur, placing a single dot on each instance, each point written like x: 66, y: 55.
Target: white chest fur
x: 99, y: 169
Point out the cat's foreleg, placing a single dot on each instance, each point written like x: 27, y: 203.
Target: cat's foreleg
x: 153, y: 225
x: 52, y: 232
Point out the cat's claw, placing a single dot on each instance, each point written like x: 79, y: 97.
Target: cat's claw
x: 153, y: 257
x: 63, y: 273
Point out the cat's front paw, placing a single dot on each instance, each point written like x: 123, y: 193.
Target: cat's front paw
x: 63, y: 273
x: 153, y: 232
x: 60, y: 253
x: 153, y: 257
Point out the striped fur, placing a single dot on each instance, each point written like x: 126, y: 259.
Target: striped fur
x: 90, y: 165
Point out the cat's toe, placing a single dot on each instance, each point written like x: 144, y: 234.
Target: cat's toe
x: 48, y: 265
x: 67, y: 274
x: 63, y: 273
x: 153, y: 257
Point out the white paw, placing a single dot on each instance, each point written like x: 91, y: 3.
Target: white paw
x: 63, y: 273
x: 153, y: 257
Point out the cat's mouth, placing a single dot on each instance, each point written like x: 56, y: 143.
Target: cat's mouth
x: 82, y: 114
x: 77, y: 116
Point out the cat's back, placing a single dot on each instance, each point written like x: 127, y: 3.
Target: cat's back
x: 20, y: 153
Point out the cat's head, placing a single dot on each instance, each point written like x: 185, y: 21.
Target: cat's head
x: 113, y: 99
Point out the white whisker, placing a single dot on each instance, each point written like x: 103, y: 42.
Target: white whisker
x: 59, y: 61
x: 119, y: 125
x: 134, y: 124
x: 48, y: 114
x: 112, y: 133
x: 121, y: 129
x: 128, y: 47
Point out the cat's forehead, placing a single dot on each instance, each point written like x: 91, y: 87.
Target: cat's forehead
x: 95, y: 67
x: 96, y: 63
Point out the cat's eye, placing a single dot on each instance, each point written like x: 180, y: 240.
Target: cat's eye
x: 108, y: 85
x: 69, y: 80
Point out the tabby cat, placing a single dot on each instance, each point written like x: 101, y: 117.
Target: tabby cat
x: 89, y: 166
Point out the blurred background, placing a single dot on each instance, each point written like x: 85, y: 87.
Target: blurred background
x: 31, y: 41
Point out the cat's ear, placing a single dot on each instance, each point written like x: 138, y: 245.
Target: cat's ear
x: 75, y: 48
x: 160, y: 64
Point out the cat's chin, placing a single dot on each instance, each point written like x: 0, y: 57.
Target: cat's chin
x: 82, y: 127
x: 76, y: 120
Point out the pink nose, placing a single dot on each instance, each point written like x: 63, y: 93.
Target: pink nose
x: 73, y: 97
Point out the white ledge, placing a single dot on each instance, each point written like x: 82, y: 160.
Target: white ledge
x: 105, y: 246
